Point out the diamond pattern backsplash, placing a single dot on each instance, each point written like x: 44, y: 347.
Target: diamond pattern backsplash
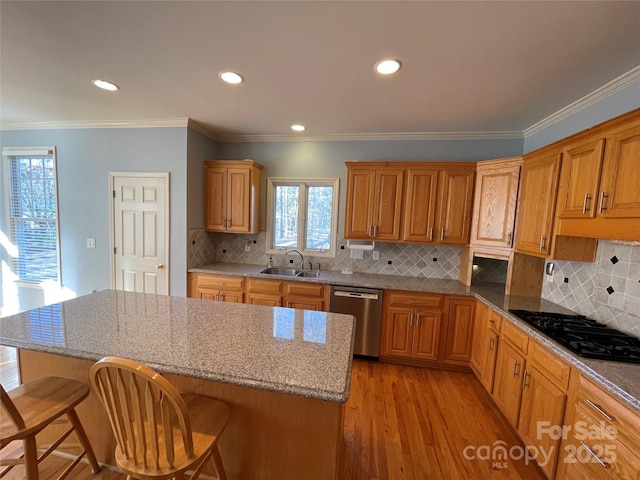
x: 395, y: 258
x: 607, y: 290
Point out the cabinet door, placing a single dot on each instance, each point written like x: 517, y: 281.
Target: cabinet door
x: 264, y: 299
x: 489, y: 358
x: 495, y: 206
x: 620, y: 190
x: 231, y: 296
x: 206, y: 294
x: 305, y: 303
x: 216, y: 199
x: 361, y: 184
x: 420, y: 205
x: 399, y: 332
x: 480, y: 331
x: 507, y: 390
x: 455, y: 202
x: 579, y: 180
x: 387, y: 204
x: 238, y: 199
x: 426, y: 334
x: 542, y: 401
x: 460, y: 329
x: 537, y: 204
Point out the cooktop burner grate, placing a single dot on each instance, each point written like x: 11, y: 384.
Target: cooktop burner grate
x: 584, y: 336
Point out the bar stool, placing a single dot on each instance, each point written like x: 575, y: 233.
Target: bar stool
x: 159, y: 433
x: 31, y: 407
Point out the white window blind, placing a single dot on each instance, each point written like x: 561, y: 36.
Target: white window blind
x: 33, y: 213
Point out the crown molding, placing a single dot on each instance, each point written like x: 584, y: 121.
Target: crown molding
x: 623, y: 81
x: 63, y: 125
x: 505, y: 135
x: 198, y: 127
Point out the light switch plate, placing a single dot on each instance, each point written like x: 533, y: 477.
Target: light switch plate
x: 91, y: 243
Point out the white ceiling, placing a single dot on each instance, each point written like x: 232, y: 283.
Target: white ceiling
x: 467, y: 66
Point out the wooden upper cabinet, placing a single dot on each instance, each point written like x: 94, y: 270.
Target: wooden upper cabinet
x: 374, y: 201
x: 538, y: 190
x: 232, y: 196
x: 620, y: 189
x: 580, y: 179
x: 420, y: 204
x: 494, y: 207
x: 455, y: 202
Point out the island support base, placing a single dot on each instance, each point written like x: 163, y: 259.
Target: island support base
x: 269, y: 436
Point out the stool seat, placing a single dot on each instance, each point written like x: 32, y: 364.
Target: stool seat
x: 31, y: 407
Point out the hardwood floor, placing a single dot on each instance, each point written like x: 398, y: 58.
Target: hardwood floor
x: 400, y: 423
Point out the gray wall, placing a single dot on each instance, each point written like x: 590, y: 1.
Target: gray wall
x: 85, y: 156
x: 612, y: 106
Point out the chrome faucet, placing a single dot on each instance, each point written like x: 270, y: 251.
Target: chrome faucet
x: 301, y: 258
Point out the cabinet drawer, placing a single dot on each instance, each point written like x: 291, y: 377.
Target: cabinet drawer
x: 550, y: 365
x: 304, y: 289
x: 515, y: 336
x: 220, y: 282
x: 604, y: 408
x: 416, y: 300
x: 494, y: 320
x: 263, y: 286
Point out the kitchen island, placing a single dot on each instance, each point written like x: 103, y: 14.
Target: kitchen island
x: 284, y: 373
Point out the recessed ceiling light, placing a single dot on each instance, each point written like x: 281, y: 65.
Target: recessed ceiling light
x: 298, y: 128
x: 387, y: 67
x: 231, y: 77
x: 112, y: 87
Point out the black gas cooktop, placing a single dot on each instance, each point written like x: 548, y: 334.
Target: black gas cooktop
x: 584, y: 336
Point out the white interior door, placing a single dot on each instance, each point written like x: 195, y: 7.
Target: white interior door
x: 140, y: 232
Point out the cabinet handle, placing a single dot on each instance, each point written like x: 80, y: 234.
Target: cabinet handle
x: 587, y: 197
x: 593, y: 454
x: 516, y: 368
x: 411, y: 319
x: 442, y: 234
x: 490, y: 346
x: 431, y: 234
x: 601, y: 411
x: 524, y: 379
x: 375, y: 231
x: 371, y: 231
x: 509, y: 235
x: 542, y: 239
x: 603, y: 195
x: 417, y: 319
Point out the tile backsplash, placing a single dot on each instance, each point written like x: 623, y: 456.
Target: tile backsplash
x: 607, y: 290
x: 432, y: 261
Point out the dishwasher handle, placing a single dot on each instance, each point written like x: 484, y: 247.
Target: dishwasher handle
x: 368, y: 296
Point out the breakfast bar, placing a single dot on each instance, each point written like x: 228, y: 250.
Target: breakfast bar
x: 284, y: 373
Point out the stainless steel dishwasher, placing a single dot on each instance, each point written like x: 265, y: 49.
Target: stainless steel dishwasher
x: 366, y: 305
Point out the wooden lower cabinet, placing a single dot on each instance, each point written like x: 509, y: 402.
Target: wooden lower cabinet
x: 486, y: 336
x: 460, y: 326
x: 426, y: 335
x: 507, y: 387
x: 215, y: 287
x: 305, y: 295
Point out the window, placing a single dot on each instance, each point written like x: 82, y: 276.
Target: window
x: 33, y: 213
x: 302, y: 215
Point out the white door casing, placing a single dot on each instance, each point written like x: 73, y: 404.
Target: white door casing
x: 140, y: 231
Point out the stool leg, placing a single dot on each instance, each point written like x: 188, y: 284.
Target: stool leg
x: 217, y: 462
x: 31, y: 458
x: 84, y: 440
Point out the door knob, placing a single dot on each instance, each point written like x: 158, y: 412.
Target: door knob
x: 160, y: 266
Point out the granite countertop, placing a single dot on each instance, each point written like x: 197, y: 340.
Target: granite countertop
x: 620, y: 379
x: 290, y: 351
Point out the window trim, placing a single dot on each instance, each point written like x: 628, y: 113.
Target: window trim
x: 272, y: 182
x: 7, y: 154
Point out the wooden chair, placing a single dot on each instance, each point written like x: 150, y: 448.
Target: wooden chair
x: 159, y: 433
x: 31, y: 407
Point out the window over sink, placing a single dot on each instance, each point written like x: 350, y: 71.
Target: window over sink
x: 302, y: 214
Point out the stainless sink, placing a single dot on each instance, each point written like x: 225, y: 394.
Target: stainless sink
x: 308, y: 273
x: 290, y: 272
x: 286, y: 272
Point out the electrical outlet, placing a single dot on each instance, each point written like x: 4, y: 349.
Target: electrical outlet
x: 375, y: 255
x: 356, y: 254
x: 247, y: 246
